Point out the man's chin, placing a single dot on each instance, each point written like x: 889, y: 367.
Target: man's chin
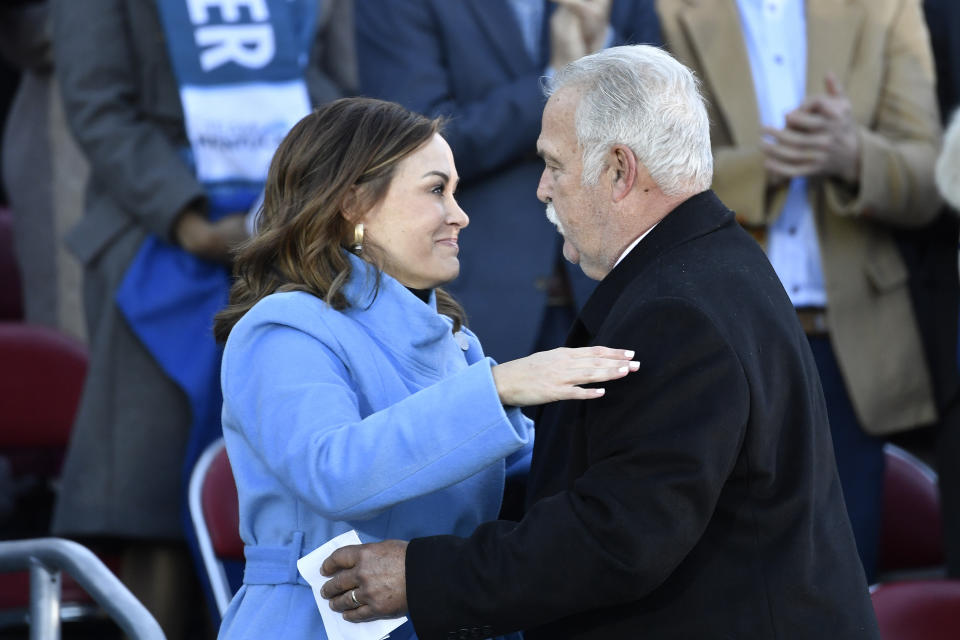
x: 573, y: 256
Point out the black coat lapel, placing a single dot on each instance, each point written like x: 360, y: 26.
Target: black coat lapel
x: 694, y: 217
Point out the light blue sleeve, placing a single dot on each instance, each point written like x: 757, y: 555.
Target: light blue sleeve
x: 297, y: 405
x: 518, y: 463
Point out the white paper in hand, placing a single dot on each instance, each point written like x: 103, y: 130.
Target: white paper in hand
x: 337, y: 628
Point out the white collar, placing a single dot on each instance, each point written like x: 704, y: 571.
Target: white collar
x: 633, y: 244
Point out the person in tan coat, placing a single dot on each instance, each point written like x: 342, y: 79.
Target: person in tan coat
x: 825, y: 131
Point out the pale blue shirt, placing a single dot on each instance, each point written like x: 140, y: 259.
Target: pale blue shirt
x: 775, y: 35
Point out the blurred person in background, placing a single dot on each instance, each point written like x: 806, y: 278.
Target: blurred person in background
x: 479, y: 64
x: 825, y: 132
x: 948, y: 164
x: 44, y: 173
x: 178, y: 108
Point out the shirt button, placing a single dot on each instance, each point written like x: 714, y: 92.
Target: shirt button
x: 795, y: 288
x: 792, y: 231
x: 778, y: 59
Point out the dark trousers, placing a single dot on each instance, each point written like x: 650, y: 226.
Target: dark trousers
x: 859, y: 457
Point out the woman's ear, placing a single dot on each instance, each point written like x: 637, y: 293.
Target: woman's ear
x: 352, y: 209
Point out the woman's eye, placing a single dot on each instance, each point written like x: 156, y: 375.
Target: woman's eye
x: 438, y: 190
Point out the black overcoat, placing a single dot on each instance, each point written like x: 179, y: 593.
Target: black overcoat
x: 697, y: 499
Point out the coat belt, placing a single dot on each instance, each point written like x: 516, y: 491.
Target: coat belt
x: 274, y: 564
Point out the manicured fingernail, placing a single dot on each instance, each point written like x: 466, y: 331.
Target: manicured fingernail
x: 624, y: 369
x: 634, y: 365
x: 628, y: 354
x: 600, y: 392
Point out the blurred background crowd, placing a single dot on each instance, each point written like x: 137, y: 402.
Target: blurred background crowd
x: 117, y: 223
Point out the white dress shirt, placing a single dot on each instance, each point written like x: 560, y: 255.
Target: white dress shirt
x: 775, y: 35
x: 633, y: 244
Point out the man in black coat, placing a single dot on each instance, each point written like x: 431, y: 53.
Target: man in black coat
x: 699, y: 497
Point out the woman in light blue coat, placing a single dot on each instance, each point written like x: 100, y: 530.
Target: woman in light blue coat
x: 354, y: 397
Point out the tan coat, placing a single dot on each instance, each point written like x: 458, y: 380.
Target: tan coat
x: 880, y: 52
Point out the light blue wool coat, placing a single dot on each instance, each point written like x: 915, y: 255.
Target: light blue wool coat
x: 374, y: 418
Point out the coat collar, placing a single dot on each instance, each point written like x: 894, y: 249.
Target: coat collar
x: 832, y: 31
x: 699, y: 215
x: 726, y: 66
x: 398, y: 320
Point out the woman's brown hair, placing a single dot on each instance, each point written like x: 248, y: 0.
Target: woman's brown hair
x: 302, y: 230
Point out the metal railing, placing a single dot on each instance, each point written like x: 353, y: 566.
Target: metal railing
x: 46, y: 558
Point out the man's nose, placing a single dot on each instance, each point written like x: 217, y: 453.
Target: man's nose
x: 543, y: 188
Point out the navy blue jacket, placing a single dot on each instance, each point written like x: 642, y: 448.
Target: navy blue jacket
x: 465, y: 60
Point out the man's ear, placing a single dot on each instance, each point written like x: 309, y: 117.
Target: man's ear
x: 623, y: 166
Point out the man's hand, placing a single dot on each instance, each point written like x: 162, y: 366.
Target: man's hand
x: 821, y: 139
x: 372, y: 576
x: 210, y: 240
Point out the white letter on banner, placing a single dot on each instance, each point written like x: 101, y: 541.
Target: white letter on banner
x: 251, y: 46
x: 229, y: 10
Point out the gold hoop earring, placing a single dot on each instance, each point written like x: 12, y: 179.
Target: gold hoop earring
x: 357, y: 246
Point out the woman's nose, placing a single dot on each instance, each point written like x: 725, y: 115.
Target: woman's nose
x: 458, y: 216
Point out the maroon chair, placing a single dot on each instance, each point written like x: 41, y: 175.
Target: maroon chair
x: 911, y: 530
x: 918, y: 610
x: 215, y: 514
x: 41, y: 378
x: 11, y: 289
x: 41, y: 374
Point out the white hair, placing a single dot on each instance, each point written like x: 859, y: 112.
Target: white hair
x: 948, y: 164
x: 641, y: 97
